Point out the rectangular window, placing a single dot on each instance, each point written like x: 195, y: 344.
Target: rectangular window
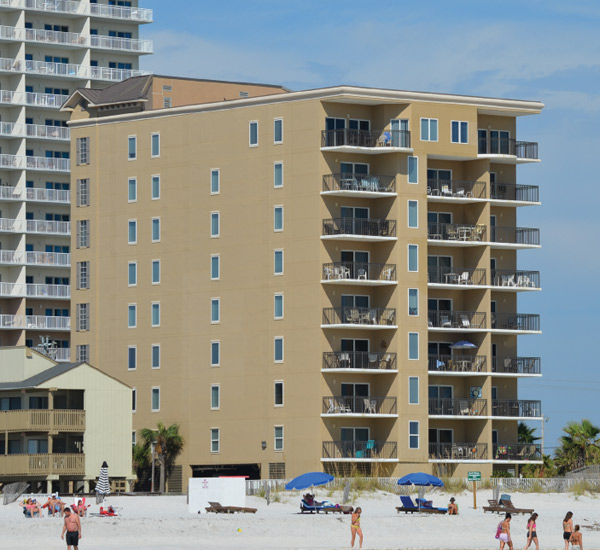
x: 413, y: 435
x: 215, y: 181
x: 278, y: 218
x: 215, y: 310
x: 215, y: 267
x: 278, y: 438
x: 83, y: 275
x: 215, y: 353
x: 413, y: 390
x: 155, y: 272
x: 460, y: 131
x: 279, y: 394
x: 413, y: 301
x: 131, y: 190
x: 132, y: 231
x: 155, y: 314
x: 83, y: 192
x: 278, y: 130
x: 83, y: 233
x: 429, y: 129
x: 155, y: 230
x: 83, y: 352
x: 215, y: 440
x: 413, y: 257
x: 413, y: 169
x: 278, y: 259
x: 278, y: 352
x: 83, y: 317
x: 155, y: 399
x: 413, y: 214
x: 131, y: 316
x: 131, y: 357
x: 278, y: 306
x: 156, y: 356
x: 83, y: 150
x: 215, y: 224
x: 215, y: 397
x: 253, y: 130
x: 278, y: 174
x: 155, y: 188
x: 413, y: 345
x: 132, y: 148
x: 155, y: 142
x: 133, y: 400
x: 132, y: 274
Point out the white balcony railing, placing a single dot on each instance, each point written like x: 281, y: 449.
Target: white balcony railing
x: 10, y: 129
x: 59, y: 354
x: 55, y: 259
x: 44, y: 100
x: 116, y: 75
x: 48, y: 195
x: 22, y: 290
x: 119, y: 12
x: 9, y: 225
x: 47, y: 132
x: 58, y: 6
x: 71, y: 70
x: 11, y: 161
x: 11, y: 257
x: 48, y: 164
x: 35, y: 322
x: 48, y: 227
x: 8, y: 193
x: 124, y: 44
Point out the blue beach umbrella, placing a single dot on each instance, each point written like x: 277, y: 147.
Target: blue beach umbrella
x: 421, y: 480
x: 311, y: 479
x: 463, y: 344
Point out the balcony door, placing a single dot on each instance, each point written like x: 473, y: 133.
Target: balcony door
x: 441, y: 436
x: 333, y: 138
x: 439, y: 304
x: 350, y: 301
x: 354, y: 441
x: 437, y: 174
x: 354, y: 212
x: 356, y: 351
x: 354, y: 169
x: 437, y: 267
x: 399, y: 127
x: 357, y: 261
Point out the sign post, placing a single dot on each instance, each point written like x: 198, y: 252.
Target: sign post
x: 474, y: 477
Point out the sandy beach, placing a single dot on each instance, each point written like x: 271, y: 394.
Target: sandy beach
x: 164, y: 523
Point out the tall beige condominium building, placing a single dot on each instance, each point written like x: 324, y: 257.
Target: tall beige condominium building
x: 47, y: 50
x: 323, y: 279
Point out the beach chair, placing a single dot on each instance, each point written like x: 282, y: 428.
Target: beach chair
x: 409, y: 506
x: 217, y: 508
x: 510, y: 507
x: 428, y: 506
x: 494, y: 507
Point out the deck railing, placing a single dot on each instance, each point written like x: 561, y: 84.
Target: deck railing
x: 456, y: 275
x: 456, y: 319
x: 457, y: 407
x: 517, y: 451
x: 460, y: 362
x: 507, y: 146
x: 517, y: 408
x: 359, y: 405
x: 42, y: 420
x: 360, y: 271
x: 458, y: 451
x: 42, y: 464
x: 48, y: 195
x: 456, y: 232
x: 515, y: 192
x: 367, y: 227
x: 516, y: 321
x: 372, y: 449
x: 35, y: 290
x: 516, y: 278
x: 367, y: 316
x: 517, y: 365
x: 515, y: 235
x: 359, y: 182
x: 49, y: 132
x: 359, y: 360
x: 58, y: 259
x: 49, y: 227
x: 456, y: 189
x: 365, y: 138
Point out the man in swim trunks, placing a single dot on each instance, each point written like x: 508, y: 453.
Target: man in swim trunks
x: 54, y: 505
x: 505, y: 534
x: 72, y: 526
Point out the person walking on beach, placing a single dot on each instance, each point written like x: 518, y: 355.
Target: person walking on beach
x: 72, y: 526
x: 532, y: 533
x: 505, y: 532
x: 577, y: 539
x: 567, y: 529
x: 355, y: 527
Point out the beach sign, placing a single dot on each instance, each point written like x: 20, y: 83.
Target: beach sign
x: 474, y: 477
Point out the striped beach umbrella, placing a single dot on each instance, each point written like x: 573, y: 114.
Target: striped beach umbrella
x: 102, y: 487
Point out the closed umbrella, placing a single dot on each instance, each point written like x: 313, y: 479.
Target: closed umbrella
x: 102, y: 487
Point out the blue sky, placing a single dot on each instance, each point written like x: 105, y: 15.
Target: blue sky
x: 543, y: 50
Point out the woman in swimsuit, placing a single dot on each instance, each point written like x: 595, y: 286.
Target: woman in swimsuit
x: 576, y: 539
x: 567, y: 529
x: 355, y: 527
x: 505, y: 534
x: 532, y: 533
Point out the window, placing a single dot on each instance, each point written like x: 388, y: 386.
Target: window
x: 131, y: 316
x: 215, y: 224
x: 278, y: 130
x: 155, y: 188
x: 83, y: 317
x: 83, y: 352
x: 413, y: 301
x: 132, y: 274
x: 278, y: 438
x: 155, y: 230
x: 83, y: 192
x: 215, y: 310
x: 132, y: 148
x: 215, y: 267
x: 155, y: 356
x: 83, y: 233
x: 132, y: 232
x: 413, y: 214
x: 413, y: 390
x: 278, y: 259
x: 215, y: 353
x: 131, y: 357
x: 155, y: 144
x: 133, y: 400
x: 83, y: 275
x: 279, y: 394
x: 278, y: 352
x: 155, y: 314
x: 155, y: 399
x: 83, y: 150
x: 215, y: 397
x: 155, y: 272
x: 460, y: 131
x: 132, y: 190
x: 278, y: 174
x: 167, y: 102
x: 133, y: 438
x: 278, y: 306
x: 413, y: 257
x: 413, y: 169
x: 253, y: 134
x: 413, y: 345
x: 413, y: 435
x: 278, y: 218
x: 215, y: 182
x: 429, y: 129
x: 215, y: 440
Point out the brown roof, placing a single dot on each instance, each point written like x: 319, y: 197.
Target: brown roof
x: 132, y: 89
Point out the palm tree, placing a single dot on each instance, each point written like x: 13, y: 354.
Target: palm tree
x: 525, y: 434
x: 580, y: 445
x: 169, y: 444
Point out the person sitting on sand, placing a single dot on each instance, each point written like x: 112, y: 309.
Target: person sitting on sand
x: 54, y: 504
x: 505, y: 533
x: 576, y: 539
x: 567, y: 529
x: 452, y: 507
x: 31, y: 507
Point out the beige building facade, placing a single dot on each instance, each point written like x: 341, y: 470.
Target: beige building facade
x: 312, y: 280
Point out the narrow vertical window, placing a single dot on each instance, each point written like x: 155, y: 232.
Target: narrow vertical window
x: 132, y: 274
x: 215, y: 397
x: 83, y: 275
x: 413, y: 301
x: 82, y: 147
x: 215, y: 310
x: 132, y: 148
x: 278, y: 259
x: 413, y: 345
x: 83, y: 353
x: 215, y: 181
x: 83, y: 192
x: 133, y: 400
x: 413, y: 214
x: 155, y: 188
x: 279, y: 394
x: 155, y: 314
x: 278, y: 306
x: 278, y: 351
x: 278, y: 438
x: 215, y: 353
x: 131, y: 190
x: 155, y: 230
x: 278, y: 130
x: 215, y: 267
x: 131, y: 357
x: 413, y: 390
x: 253, y: 134
x: 83, y: 317
x: 131, y: 316
x: 413, y: 169
x: 155, y: 356
x: 155, y: 142
x: 413, y: 435
x: 155, y: 399
x: 413, y: 257
x: 278, y: 218
x: 215, y: 440
x: 83, y: 233
x: 278, y: 174
x: 132, y: 232
x: 155, y: 272
x: 215, y: 224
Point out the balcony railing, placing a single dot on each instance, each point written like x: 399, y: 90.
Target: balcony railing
x: 42, y: 464
x: 365, y: 138
x: 11, y: 193
x: 70, y: 7
x: 517, y: 451
x: 515, y: 235
x: 517, y: 365
x: 48, y: 132
x: 359, y: 226
x: 123, y: 44
x: 516, y: 321
x: 10, y: 129
x: 71, y: 70
x: 18, y: 290
x: 375, y: 450
x: 45, y: 100
x: 457, y: 407
x: 48, y: 227
x: 42, y: 420
x: 118, y: 12
x: 114, y: 75
x: 359, y: 360
x: 56, y: 259
x: 457, y: 363
x: 516, y: 278
x: 359, y: 271
x: 456, y: 275
x: 48, y: 195
x: 515, y: 192
x: 11, y: 257
x: 364, y: 316
x: 507, y: 146
x: 359, y: 182
x: 456, y: 232
x: 58, y: 354
x: 458, y: 451
x: 456, y: 319
x: 359, y: 405
x: 9, y: 225
x: 456, y: 189
x: 35, y: 322
x: 48, y: 164
x: 517, y: 408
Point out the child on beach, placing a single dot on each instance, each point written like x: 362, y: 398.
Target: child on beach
x: 355, y: 527
x: 452, y: 507
x: 532, y: 533
x: 505, y: 532
x: 567, y: 529
x: 576, y: 539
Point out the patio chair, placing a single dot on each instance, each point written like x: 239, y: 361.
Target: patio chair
x: 523, y: 280
x: 331, y: 407
x: 494, y: 506
x: 369, y: 406
x: 446, y: 191
x: 464, y: 322
x: 388, y: 317
x: 352, y: 316
x: 478, y: 366
x: 478, y: 234
x: 344, y: 360
x: 362, y: 274
x: 385, y: 140
x: 386, y: 274
x: 328, y: 272
x: 463, y: 407
x: 508, y: 280
x: 372, y: 359
x: 218, y: 509
x: 386, y: 361
x: 460, y: 193
x: 452, y: 234
x: 464, y: 278
x: 445, y: 321
x: 343, y: 406
x: 510, y: 507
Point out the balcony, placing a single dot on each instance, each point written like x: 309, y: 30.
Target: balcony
x: 11, y: 130
x: 366, y: 318
x: 452, y: 234
x: 510, y: 193
x: 513, y: 408
x: 359, y: 273
x: 516, y: 322
x: 507, y: 150
x: 48, y: 227
x: 518, y: 452
x: 9, y: 225
x: 511, y: 279
x: 459, y: 363
x: 140, y: 15
x: 77, y: 9
x: 515, y: 237
x: 113, y: 75
x: 354, y: 361
x: 10, y: 257
x: 42, y: 465
x: 458, y: 451
x: 21, y: 290
x: 42, y: 420
x: 122, y: 44
x: 456, y: 276
x: 455, y: 190
x: 360, y: 451
x: 60, y: 355
x: 359, y: 406
x: 54, y: 259
x: 67, y: 70
x: 8, y: 193
x: 33, y: 99
x: 359, y: 229
x: 350, y: 140
x: 470, y: 321
x: 359, y: 185
x: 35, y: 322
x: 59, y: 196
x: 470, y: 408
x: 516, y: 365
x: 39, y: 131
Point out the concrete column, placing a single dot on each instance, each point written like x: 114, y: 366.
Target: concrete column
x: 86, y: 486
x: 48, y: 486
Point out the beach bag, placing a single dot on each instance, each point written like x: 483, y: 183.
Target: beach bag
x: 499, y: 530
